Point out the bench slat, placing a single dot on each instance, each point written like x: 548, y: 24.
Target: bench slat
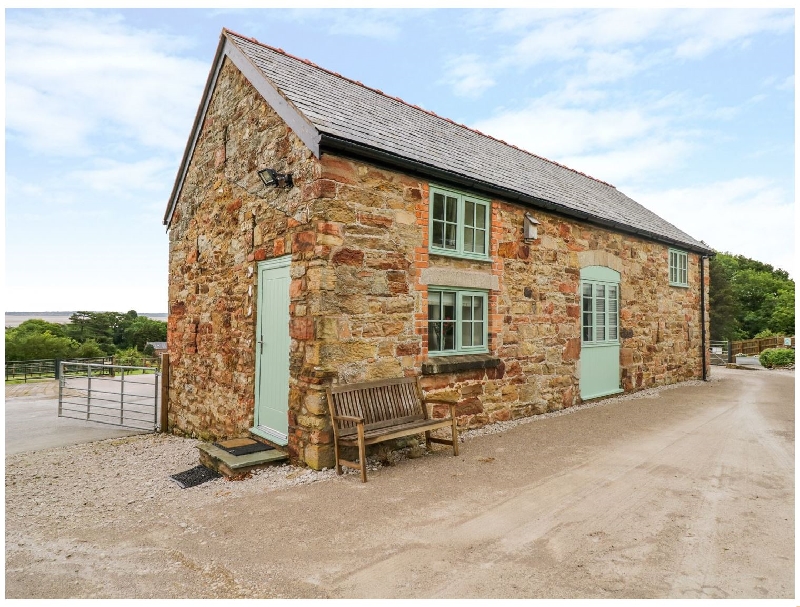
x: 384, y: 424
x: 381, y: 435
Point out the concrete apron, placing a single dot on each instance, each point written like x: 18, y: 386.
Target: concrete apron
x: 32, y: 424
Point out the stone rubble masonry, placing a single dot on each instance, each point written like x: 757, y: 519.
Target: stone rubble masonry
x: 358, y: 239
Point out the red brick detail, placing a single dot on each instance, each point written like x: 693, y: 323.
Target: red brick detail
x: 501, y: 415
x: 302, y: 328
x: 348, y: 257
x: 337, y: 169
x: 376, y: 221
x: 469, y: 406
x: 295, y: 288
x: 326, y: 227
x: 507, y: 249
x: 178, y: 308
x: 572, y: 350
x: 303, y: 241
x: 407, y: 349
x: 321, y: 188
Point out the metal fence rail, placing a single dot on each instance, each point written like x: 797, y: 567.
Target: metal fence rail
x: 110, y: 394
x: 24, y: 370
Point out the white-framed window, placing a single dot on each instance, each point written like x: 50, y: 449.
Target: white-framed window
x: 600, y: 309
x: 457, y: 321
x: 459, y: 224
x: 678, y: 268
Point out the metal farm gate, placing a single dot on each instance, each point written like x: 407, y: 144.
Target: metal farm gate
x: 110, y: 394
x: 719, y: 352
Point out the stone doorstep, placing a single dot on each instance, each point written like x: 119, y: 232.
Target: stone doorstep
x: 233, y: 466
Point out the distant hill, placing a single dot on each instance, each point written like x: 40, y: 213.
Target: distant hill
x: 14, y: 319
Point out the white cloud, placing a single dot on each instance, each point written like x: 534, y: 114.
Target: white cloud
x: 708, y: 30
x: 749, y: 216
x: 468, y: 75
x: 563, y: 36
x: 75, y: 77
x: 380, y: 24
x: 554, y: 129
x: 787, y: 84
x: 637, y: 162
x: 152, y: 175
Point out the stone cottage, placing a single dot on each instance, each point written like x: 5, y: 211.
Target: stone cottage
x: 325, y: 232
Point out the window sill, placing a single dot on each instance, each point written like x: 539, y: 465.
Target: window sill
x: 457, y: 255
x: 458, y: 363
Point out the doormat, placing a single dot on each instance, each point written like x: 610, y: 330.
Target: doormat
x: 239, y: 447
x: 194, y: 476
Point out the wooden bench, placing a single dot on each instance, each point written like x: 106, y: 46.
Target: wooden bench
x: 372, y: 412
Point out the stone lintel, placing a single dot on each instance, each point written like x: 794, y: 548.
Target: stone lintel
x: 599, y: 258
x: 468, y: 279
x: 456, y: 364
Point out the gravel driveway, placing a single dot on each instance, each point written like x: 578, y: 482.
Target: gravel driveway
x: 684, y: 492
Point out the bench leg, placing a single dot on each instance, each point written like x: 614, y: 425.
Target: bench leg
x: 336, y: 456
x: 362, y: 453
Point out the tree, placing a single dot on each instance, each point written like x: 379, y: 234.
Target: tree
x: 724, y: 307
x: 748, y: 297
x: 36, y: 346
x: 37, y: 325
x: 143, y: 329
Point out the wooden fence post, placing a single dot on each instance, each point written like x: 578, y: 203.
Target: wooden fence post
x: 164, y: 392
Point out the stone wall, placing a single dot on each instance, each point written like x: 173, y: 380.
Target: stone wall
x: 225, y: 221
x: 358, y: 236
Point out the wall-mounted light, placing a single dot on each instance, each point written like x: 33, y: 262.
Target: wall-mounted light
x: 529, y: 229
x: 270, y: 177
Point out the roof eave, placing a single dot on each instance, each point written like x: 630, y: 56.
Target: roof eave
x: 334, y: 143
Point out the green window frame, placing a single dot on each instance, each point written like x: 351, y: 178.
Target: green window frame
x: 457, y: 321
x: 599, y: 312
x: 458, y: 224
x: 678, y: 268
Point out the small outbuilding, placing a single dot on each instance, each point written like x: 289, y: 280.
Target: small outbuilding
x: 159, y: 347
x: 324, y: 232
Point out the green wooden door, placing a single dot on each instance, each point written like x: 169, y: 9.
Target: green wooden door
x: 272, y: 351
x: 599, y: 332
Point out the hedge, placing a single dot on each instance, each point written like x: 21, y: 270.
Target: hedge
x: 776, y: 357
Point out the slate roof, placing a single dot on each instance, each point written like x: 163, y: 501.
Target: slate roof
x: 345, y: 109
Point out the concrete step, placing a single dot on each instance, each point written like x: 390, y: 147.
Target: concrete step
x: 237, y: 466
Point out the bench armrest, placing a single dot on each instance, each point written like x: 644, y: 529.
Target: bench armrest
x: 349, y: 418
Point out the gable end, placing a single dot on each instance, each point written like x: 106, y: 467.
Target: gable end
x: 307, y: 133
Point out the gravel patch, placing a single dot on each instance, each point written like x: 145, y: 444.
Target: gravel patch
x: 133, y: 472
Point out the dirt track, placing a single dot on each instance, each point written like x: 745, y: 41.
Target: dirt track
x: 686, y: 494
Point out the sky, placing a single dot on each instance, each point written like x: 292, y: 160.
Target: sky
x: 688, y: 112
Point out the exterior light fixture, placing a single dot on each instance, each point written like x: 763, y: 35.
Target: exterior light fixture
x: 529, y: 229
x: 271, y: 177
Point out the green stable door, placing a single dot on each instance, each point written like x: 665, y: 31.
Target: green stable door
x: 272, y: 351
x: 599, y: 332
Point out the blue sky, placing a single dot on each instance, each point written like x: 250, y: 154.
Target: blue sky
x: 691, y: 113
